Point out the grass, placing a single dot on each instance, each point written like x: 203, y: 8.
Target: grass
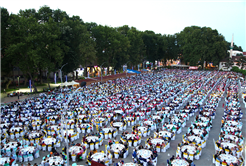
x: 37, y: 84
x: 8, y: 90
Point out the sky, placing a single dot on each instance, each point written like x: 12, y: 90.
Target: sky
x: 160, y: 16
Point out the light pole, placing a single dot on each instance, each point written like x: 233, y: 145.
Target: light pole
x: 18, y: 82
x: 126, y: 68
x: 61, y: 70
x: 101, y: 70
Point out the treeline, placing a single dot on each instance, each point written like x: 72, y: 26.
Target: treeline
x: 44, y: 40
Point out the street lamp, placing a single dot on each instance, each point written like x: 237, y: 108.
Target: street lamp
x: 101, y: 70
x: 18, y: 82
x: 61, y: 71
x: 126, y: 68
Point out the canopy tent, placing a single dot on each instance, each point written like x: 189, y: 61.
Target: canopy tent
x: 73, y: 83
x: 76, y: 84
x: 65, y: 84
x: 133, y: 71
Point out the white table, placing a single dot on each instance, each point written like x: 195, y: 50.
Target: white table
x: 107, y: 129
x: 197, y: 139
x: 230, y: 145
x: 100, y: 156
x: 56, y: 159
x: 33, y: 135
x: 197, y: 131
x: 163, y: 133
x: 190, y: 149
x: 75, y: 149
x: 48, y: 141
x: 11, y: 145
x: 142, y: 129
x: 29, y: 149
x: 128, y: 136
x: 93, y: 138
x: 157, y: 140
x: 144, y: 153
x: 228, y: 158
x: 117, y: 147
x: 118, y: 124
x: 179, y: 162
x: 118, y: 111
x: 148, y: 122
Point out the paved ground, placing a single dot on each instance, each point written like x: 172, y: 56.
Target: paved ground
x: 207, y: 152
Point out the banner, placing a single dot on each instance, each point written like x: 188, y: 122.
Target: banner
x: 105, y: 71
x: 66, y: 78
x: 193, y: 67
x: 88, y: 74
x: 55, y: 78
x: 30, y: 85
x: 114, y: 72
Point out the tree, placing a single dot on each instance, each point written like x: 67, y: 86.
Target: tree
x: 7, y: 68
x: 136, y: 47
x: 235, y: 47
x: 111, y: 46
x: 80, y: 44
x: 229, y: 63
x: 202, y: 44
x: 151, y: 46
x: 241, y: 62
x: 34, y: 46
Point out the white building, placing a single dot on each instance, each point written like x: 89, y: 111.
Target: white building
x: 222, y: 64
x: 235, y: 52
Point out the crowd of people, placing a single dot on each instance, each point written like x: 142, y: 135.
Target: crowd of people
x: 158, y: 103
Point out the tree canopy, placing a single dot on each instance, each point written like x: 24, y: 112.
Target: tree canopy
x: 44, y: 40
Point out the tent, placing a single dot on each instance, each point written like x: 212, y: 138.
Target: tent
x: 133, y: 71
x: 73, y: 83
x: 65, y: 84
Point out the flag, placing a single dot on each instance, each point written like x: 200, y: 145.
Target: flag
x: 55, y: 78
x: 30, y: 85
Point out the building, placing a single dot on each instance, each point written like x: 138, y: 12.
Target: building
x: 222, y: 64
x: 235, y: 52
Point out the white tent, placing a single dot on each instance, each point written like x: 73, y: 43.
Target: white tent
x: 65, y: 84
x: 74, y: 83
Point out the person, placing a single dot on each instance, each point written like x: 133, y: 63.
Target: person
x: 134, y: 154
x: 4, y: 91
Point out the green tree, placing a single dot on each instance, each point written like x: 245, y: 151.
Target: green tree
x: 202, y: 44
x: 136, y: 47
x: 235, y: 47
x: 34, y: 45
x: 5, y: 60
x: 111, y: 46
x: 241, y: 62
x: 151, y: 46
